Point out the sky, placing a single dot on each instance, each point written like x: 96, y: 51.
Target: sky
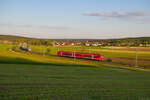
x: 78, y: 19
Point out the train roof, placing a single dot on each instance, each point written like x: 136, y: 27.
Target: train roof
x: 80, y: 52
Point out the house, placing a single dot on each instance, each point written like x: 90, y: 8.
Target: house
x: 87, y: 44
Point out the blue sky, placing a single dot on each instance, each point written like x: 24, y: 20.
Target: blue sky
x: 75, y: 18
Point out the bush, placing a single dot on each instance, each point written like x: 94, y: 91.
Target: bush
x: 109, y: 60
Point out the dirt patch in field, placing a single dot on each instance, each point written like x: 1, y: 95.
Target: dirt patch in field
x: 129, y: 48
x: 129, y: 61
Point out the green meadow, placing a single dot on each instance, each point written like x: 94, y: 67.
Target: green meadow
x: 107, y: 52
x: 126, y: 55
x: 26, y: 76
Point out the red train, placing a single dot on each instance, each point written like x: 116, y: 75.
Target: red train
x: 98, y: 57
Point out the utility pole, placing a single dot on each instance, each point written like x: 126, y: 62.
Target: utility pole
x: 136, y: 57
x: 58, y: 50
x: 27, y: 44
x: 89, y: 50
x: 92, y: 56
x: 43, y: 51
x: 74, y: 53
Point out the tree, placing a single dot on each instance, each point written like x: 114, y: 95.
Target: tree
x: 48, y: 50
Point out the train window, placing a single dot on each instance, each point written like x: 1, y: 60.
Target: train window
x: 67, y: 54
x: 78, y: 55
x: 87, y: 55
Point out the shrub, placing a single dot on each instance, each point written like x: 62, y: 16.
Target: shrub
x: 109, y: 60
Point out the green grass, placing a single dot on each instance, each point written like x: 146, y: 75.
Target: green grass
x: 6, y: 56
x: 25, y: 76
x: 55, y: 82
x: 126, y: 53
x: 142, y: 55
x: 107, y: 52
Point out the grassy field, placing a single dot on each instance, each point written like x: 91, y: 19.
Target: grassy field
x: 25, y: 76
x: 126, y: 55
x: 107, y: 52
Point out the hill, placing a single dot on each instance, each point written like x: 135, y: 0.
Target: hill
x: 136, y: 41
x: 13, y: 38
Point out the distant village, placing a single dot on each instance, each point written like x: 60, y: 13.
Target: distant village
x: 140, y: 41
x: 86, y: 43
x: 102, y: 43
x: 80, y: 43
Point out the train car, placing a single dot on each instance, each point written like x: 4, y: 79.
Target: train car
x: 98, y: 57
x: 25, y: 48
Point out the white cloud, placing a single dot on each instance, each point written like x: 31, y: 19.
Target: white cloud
x: 141, y: 16
x: 34, y: 26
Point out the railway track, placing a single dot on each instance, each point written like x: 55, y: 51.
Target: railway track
x: 123, y: 61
